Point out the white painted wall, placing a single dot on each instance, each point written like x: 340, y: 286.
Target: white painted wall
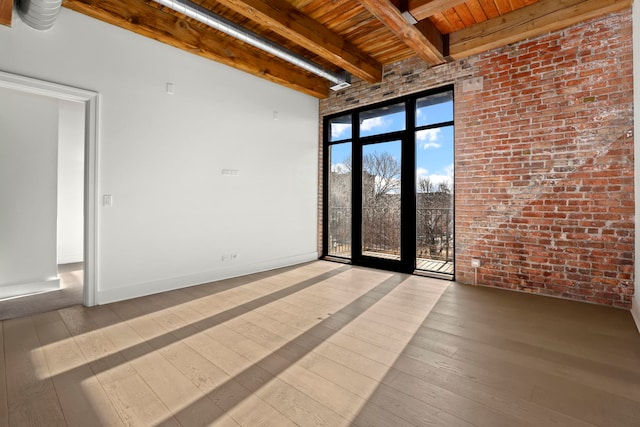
x: 70, y: 181
x: 174, y: 214
x: 635, y: 309
x: 28, y: 162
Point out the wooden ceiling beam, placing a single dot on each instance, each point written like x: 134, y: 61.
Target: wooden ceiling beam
x: 530, y: 21
x: 284, y: 19
x: 422, y: 9
x: 387, y: 13
x: 6, y: 10
x: 149, y: 21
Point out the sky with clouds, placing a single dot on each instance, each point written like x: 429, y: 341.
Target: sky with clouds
x: 434, y: 147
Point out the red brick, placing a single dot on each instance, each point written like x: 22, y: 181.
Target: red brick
x: 544, y: 179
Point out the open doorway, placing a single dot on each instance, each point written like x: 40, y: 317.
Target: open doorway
x: 70, y: 209
x: 48, y: 215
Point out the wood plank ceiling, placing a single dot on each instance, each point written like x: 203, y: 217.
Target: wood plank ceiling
x: 358, y: 36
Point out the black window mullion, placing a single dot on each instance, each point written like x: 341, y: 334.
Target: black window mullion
x: 325, y: 187
x: 356, y: 190
x: 408, y: 183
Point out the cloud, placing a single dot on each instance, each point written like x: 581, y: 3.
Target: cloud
x: 428, y: 145
x: 449, y: 170
x: 340, y: 130
x: 446, y: 175
x: 429, y: 138
x: 372, y: 123
x: 422, y: 173
x: 437, y: 179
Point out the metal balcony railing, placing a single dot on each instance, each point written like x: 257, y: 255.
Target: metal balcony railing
x: 434, y: 232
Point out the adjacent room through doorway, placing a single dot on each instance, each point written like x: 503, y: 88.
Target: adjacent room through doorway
x: 42, y: 222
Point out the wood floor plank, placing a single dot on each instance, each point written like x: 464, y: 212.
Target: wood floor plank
x: 132, y: 398
x: 4, y: 408
x: 82, y: 398
x: 470, y: 392
x: 32, y: 399
x: 520, y: 306
x: 572, y: 346
x: 299, y: 407
x: 289, y: 366
x: 589, y: 405
x: 412, y: 409
x: 531, y: 372
x: 613, y: 379
x: 324, y: 344
x: 281, y: 345
x: 176, y: 392
x: 188, y: 355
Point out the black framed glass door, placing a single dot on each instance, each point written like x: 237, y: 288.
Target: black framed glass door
x: 381, y: 193
x: 389, y: 185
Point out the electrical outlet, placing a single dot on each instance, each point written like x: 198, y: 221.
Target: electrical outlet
x: 475, y: 262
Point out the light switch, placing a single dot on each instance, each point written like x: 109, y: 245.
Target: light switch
x: 107, y: 200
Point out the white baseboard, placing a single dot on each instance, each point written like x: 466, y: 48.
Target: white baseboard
x: 635, y: 310
x: 163, y: 285
x: 29, y: 288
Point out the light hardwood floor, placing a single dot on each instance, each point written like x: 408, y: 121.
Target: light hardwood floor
x: 70, y: 293
x: 324, y: 344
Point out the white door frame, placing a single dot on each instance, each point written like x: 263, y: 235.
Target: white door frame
x: 91, y: 101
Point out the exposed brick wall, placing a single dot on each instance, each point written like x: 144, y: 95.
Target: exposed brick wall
x: 543, y: 158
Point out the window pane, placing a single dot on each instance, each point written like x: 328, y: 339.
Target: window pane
x: 433, y: 109
x: 381, y: 193
x: 339, y: 215
x: 434, y: 200
x: 382, y: 120
x: 340, y: 128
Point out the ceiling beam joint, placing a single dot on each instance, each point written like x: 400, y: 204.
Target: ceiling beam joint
x: 424, y: 39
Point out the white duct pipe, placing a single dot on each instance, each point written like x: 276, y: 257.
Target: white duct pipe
x: 232, y: 29
x: 39, y: 14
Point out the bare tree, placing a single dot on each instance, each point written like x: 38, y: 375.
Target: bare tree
x: 426, y: 186
x: 383, y: 168
x: 339, y: 226
x: 381, y: 202
x: 386, y: 170
x: 381, y: 208
x: 434, y: 219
